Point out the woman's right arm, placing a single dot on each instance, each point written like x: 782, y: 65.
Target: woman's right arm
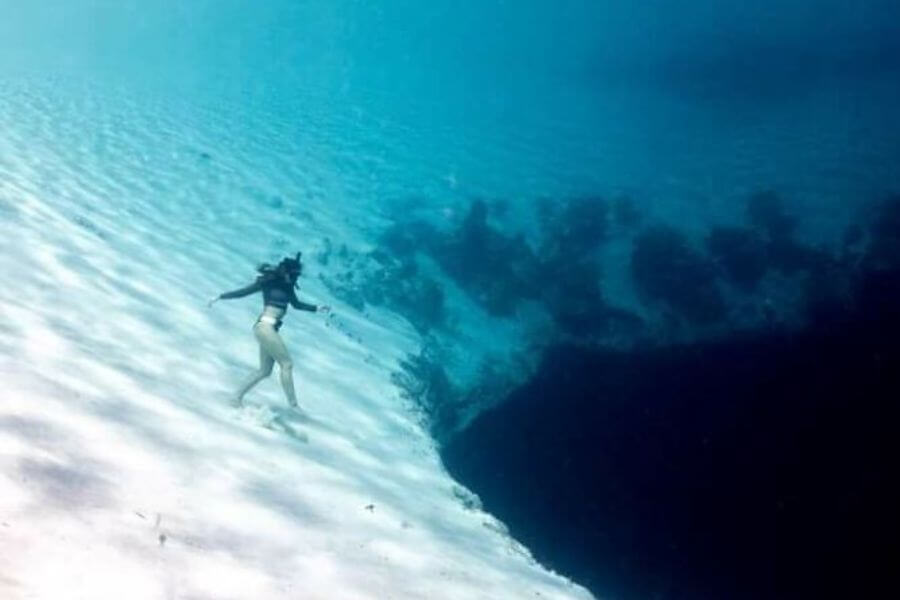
x: 238, y: 293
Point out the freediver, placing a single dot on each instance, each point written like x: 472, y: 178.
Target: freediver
x: 278, y: 285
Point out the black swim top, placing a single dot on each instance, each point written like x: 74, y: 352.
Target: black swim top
x: 276, y: 292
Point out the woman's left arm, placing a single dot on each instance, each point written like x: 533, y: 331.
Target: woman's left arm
x: 299, y: 305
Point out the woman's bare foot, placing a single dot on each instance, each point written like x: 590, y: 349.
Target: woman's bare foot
x: 299, y: 411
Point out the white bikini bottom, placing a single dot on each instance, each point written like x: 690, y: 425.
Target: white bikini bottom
x: 269, y: 320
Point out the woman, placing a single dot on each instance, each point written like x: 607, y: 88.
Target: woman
x: 277, y: 285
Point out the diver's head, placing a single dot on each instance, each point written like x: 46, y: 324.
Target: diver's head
x: 291, y: 267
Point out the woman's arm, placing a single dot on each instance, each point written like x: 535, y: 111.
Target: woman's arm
x: 303, y: 305
x: 244, y: 291
x: 300, y: 305
x: 239, y: 293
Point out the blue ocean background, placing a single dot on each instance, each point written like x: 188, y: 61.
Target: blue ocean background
x: 698, y: 104
x: 470, y: 184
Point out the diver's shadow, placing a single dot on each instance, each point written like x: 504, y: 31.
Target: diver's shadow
x: 289, y: 421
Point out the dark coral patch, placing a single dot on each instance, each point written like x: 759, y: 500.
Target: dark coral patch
x: 741, y: 253
x: 666, y: 268
x: 498, y: 271
x: 575, y: 229
x: 885, y: 249
x: 625, y: 212
x: 765, y: 211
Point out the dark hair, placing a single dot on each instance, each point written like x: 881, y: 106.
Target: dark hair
x: 287, y: 266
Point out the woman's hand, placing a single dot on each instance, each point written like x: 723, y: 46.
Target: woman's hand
x: 212, y: 301
x: 323, y: 308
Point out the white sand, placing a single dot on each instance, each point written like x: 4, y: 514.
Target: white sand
x: 123, y: 473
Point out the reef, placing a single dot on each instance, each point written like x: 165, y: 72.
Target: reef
x: 884, y: 252
x: 741, y: 254
x: 667, y: 269
x: 497, y: 270
x: 549, y: 284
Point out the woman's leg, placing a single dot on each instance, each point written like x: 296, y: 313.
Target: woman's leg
x: 265, y: 369
x: 271, y: 342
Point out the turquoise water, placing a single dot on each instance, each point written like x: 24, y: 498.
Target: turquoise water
x: 151, y: 156
x: 447, y: 102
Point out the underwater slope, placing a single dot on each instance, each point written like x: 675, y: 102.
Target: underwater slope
x: 122, y: 471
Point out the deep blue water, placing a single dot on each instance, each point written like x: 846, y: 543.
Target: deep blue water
x: 757, y: 467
